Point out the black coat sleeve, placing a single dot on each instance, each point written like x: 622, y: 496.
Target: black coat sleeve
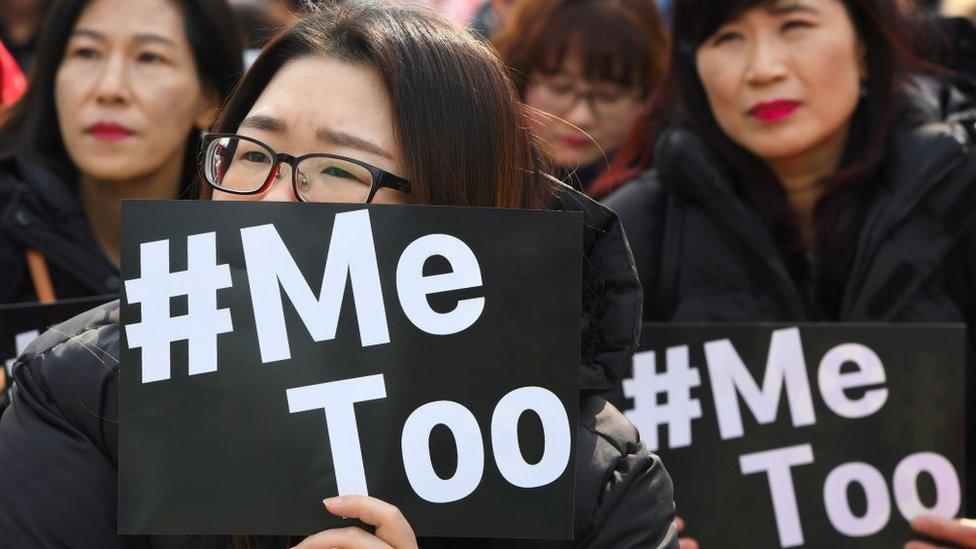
x: 612, y: 298
x: 625, y: 497
x: 58, y: 439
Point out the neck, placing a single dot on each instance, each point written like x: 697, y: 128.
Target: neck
x: 101, y: 202
x: 802, y: 178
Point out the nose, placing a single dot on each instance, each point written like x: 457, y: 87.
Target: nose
x: 581, y: 112
x: 281, y: 188
x: 766, y: 63
x: 113, y: 82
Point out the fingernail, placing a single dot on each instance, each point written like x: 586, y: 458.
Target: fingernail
x: 333, y: 501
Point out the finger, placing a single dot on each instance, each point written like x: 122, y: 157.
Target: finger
x: 957, y: 532
x: 687, y: 543
x: 342, y: 538
x: 391, y: 526
x: 679, y: 523
x: 922, y: 545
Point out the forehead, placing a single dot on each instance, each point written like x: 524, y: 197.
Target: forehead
x: 313, y: 92
x: 128, y: 18
x: 781, y: 7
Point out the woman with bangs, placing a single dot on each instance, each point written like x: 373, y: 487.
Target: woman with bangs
x: 362, y: 85
x: 585, y: 67
x: 806, y: 171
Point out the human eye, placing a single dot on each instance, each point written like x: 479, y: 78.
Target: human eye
x: 255, y: 156
x: 151, y: 57
x: 338, y: 172
x: 84, y: 52
x: 608, y: 95
x: 794, y: 24
x: 726, y: 37
x: 560, y: 88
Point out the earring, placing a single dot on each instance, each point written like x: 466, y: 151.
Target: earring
x: 864, y: 91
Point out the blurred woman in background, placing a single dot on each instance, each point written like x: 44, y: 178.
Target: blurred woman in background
x: 586, y: 66
x: 805, y: 173
x: 20, y: 21
x: 114, y: 109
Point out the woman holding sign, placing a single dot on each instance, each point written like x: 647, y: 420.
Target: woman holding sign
x: 805, y: 174
x: 365, y: 102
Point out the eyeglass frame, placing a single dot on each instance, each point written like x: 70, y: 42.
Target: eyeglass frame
x: 381, y: 178
x: 590, y: 96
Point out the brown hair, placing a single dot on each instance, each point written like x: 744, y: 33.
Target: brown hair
x: 622, y: 41
x: 461, y: 126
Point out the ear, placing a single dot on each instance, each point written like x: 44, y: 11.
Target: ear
x: 207, y: 109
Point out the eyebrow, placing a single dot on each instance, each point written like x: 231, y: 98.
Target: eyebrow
x: 143, y: 37
x: 783, y: 8
x: 342, y: 139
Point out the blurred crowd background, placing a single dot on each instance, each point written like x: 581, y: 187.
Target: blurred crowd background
x: 862, y: 209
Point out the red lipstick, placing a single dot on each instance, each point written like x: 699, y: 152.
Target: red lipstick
x: 576, y: 141
x: 774, y: 111
x: 109, y: 131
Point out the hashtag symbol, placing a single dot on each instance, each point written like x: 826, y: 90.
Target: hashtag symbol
x: 203, y: 321
x: 675, y: 383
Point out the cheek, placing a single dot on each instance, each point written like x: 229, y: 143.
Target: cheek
x: 720, y: 80
x: 613, y: 132
x: 832, y: 79
x: 170, y: 107
x: 67, y: 98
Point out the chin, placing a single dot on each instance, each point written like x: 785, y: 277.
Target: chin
x: 777, y: 149
x: 575, y: 160
x: 120, y: 172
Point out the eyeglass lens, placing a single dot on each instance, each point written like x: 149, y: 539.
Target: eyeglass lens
x: 240, y: 165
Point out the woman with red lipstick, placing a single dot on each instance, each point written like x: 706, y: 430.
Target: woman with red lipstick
x: 586, y: 67
x: 120, y: 93
x: 806, y: 172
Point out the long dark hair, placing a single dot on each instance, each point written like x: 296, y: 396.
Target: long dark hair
x: 886, y: 28
x: 31, y: 125
x: 460, y: 124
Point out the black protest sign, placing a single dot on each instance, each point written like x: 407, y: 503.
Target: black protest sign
x: 278, y: 354
x: 21, y: 323
x: 822, y: 435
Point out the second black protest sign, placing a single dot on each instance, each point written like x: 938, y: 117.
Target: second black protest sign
x: 434, y: 330
x: 819, y: 435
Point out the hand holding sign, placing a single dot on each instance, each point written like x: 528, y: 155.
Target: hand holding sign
x: 959, y: 533
x: 392, y: 529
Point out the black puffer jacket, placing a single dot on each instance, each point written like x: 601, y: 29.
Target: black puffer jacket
x: 59, y: 442
x: 703, y: 254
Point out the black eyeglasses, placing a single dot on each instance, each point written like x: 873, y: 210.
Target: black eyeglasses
x: 242, y: 165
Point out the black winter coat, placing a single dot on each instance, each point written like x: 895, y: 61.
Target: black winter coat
x: 704, y: 254
x: 39, y: 211
x: 59, y: 442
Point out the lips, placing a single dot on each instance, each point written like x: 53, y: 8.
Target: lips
x: 109, y: 131
x: 774, y: 111
x: 576, y: 141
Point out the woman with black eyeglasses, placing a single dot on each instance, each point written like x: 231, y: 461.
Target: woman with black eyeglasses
x: 366, y: 102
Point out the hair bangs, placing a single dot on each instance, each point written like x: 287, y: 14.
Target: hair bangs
x: 624, y: 57
x: 705, y: 17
